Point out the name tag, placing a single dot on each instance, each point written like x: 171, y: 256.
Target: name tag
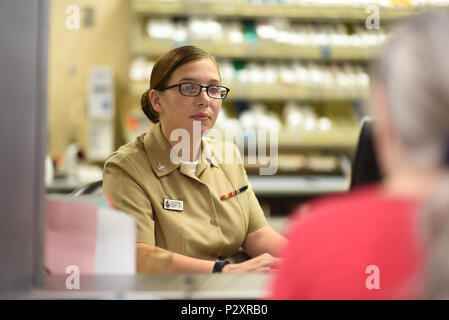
x: 176, y: 205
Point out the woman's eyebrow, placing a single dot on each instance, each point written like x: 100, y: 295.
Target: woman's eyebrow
x: 214, y: 81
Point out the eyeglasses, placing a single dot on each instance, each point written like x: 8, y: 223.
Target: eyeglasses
x: 193, y: 90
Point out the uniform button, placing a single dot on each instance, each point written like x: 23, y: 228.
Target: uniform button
x: 213, y: 222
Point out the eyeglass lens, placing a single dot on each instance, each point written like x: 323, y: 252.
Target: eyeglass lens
x: 191, y: 89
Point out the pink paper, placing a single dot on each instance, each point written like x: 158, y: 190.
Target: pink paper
x: 71, y: 235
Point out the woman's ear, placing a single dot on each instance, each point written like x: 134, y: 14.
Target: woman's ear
x: 155, y: 99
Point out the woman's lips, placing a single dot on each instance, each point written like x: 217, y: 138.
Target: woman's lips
x: 200, y: 117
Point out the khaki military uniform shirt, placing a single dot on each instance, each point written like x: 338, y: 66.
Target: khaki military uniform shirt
x: 140, y: 175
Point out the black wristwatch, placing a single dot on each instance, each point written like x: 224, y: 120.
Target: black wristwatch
x: 219, y: 265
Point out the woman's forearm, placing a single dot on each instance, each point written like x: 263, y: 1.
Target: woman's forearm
x: 264, y: 240
x: 151, y: 259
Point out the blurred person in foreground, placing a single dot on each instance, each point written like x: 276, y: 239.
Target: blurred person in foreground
x: 388, y: 240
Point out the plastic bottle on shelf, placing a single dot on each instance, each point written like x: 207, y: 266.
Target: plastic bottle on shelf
x: 293, y: 116
x: 334, y: 71
x: 297, y: 37
x: 227, y: 71
x: 324, y: 124
x: 140, y: 69
x: 204, y: 29
x: 328, y: 79
x: 270, y: 74
x: 316, y: 76
x: 310, y: 119
x: 255, y: 73
x: 361, y: 38
x: 225, y: 30
x: 362, y: 78
x: 265, y: 31
x: 282, y: 30
x: 355, y: 40
x: 322, y: 36
x: 214, y: 30
x: 180, y: 33
x: 257, y: 117
x: 302, y: 35
x: 302, y: 75
x: 242, y: 76
x: 234, y: 33
x: 340, y: 80
x: 338, y: 36
x: 229, y: 126
x: 272, y: 122
x: 248, y: 119
x: 162, y: 29
x: 287, y: 74
x: 351, y: 79
x: 197, y: 28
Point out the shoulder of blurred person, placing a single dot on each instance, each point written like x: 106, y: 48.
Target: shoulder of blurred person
x: 339, y: 201
x: 333, y: 240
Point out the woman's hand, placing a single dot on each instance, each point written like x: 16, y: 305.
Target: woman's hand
x: 263, y: 263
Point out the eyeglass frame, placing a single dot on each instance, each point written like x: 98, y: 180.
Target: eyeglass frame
x: 199, y: 92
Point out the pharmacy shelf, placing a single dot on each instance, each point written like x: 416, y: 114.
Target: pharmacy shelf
x: 237, y: 9
x: 155, y: 48
x: 257, y: 92
x: 342, y: 137
x: 298, y: 185
x: 303, y: 142
x: 336, y: 139
x: 276, y: 92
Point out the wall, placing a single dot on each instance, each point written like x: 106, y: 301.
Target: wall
x: 72, y: 53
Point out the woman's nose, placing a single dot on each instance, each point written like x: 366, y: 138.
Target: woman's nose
x: 203, y: 96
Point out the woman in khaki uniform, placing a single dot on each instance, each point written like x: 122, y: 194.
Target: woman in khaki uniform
x: 189, y: 205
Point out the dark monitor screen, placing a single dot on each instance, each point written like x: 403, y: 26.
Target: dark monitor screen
x: 365, y: 168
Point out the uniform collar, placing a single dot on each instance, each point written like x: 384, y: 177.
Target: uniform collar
x: 158, y: 153
x: 207, y: 157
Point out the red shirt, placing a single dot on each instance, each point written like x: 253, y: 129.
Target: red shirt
x: 360, y: 245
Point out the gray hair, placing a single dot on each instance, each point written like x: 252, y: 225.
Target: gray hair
x: 414, y: 68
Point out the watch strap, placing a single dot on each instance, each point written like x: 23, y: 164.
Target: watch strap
x: 219, y: 265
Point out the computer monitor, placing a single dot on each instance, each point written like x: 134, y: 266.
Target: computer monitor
x: 365, y: 168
